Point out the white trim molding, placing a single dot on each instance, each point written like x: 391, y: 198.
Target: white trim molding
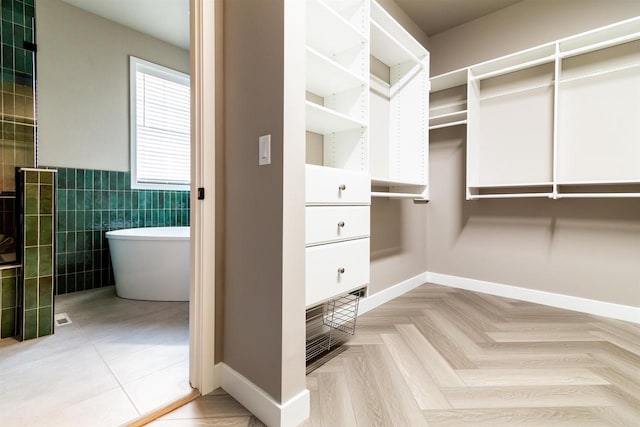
x: 258, y: 402
x: 202, y: 304
x: 386, y: 295
x: 584, y: 305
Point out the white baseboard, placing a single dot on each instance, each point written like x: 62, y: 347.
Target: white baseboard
x: 385, y: 295
x: 584, y: 305
x: 258, y: 402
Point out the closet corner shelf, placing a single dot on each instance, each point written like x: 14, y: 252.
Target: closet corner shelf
x: 324, y: 121
x: 390, y: 42
x: 328, y: 31
x: 448, y: 80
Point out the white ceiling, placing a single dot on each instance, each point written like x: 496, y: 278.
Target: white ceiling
x: 167, y: 20
x: 435, y: 16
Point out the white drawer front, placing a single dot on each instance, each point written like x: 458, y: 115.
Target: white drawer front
x: 330, y: 186
x: 333, y: 223
x: 336, y: 268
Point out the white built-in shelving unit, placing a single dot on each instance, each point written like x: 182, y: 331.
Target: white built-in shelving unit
x: 366, y: 136
x: 399, y: 100
x: 337, y: 148
x: 560, y: 120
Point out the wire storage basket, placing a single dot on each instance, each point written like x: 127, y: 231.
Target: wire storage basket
x: 330, y: 324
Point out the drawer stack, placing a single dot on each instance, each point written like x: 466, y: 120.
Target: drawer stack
x: 337, y: 232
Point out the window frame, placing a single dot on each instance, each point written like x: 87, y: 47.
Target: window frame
x: 137, y: 64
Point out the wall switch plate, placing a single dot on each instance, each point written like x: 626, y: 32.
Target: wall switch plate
x: 264, y: 150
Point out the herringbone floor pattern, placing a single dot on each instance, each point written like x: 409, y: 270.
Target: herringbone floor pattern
x: 447, y: 357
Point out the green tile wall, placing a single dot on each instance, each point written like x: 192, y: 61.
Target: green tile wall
x: 17, y: 136
x: 92, y: 202
x: 38, y: 200
x: 9, y: 279
x: 17, y: 107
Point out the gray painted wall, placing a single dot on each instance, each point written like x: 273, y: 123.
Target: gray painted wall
x: 83, y: 85
x: 587, y: 248
x: 264, y: 234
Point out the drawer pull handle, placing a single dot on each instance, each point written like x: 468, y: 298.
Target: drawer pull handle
x: 341, y: 224
x: 341, y: 270
x: 342, y: 187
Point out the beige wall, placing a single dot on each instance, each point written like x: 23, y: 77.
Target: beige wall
x: 83, y: 85
x: 398, y: 227
x: 587, y: 248
x: 264, y: 258
x: 405, y: 20
x: 525, y: 24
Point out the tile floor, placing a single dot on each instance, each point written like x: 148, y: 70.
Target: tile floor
x: 119, y: 359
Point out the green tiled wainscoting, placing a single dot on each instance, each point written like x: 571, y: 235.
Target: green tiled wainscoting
x: 37, y: 201
x: 92, y: 202
x: 9, y: 280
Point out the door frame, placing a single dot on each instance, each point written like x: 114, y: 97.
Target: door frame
x: 202, y: 375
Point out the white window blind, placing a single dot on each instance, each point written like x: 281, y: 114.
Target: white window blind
x: 161, y: 137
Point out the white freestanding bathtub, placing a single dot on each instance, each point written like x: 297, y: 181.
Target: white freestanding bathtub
x: 151, y: 263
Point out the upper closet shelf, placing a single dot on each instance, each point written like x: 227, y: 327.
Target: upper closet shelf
x: 514, y: 62
x: 325, y: 121
x: 449, y: 80
x: 328, y: 31
x: 391, y: 43
x: 325, y: 77
x: 611, y: 35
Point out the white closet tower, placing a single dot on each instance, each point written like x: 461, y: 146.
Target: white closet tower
x: 363, y: 129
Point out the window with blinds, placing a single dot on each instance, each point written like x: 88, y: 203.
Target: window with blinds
x: 160, y: 127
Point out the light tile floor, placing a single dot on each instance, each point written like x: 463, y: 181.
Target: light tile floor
x: 119, y: 359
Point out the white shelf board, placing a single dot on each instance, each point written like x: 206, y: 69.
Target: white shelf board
x: 326, y: 77
x: 322, y: 120
x: 387, y: 49
x: 528, y: 184
x: 596, y: 195
x: 510, y: 196
x: 515, y: 67
x: 449, y: 80
x: 514, y: 62
x: 394, y: 30
x: 448, y: 125
x: 328, y: 32
x: 619, y: 182
x: 600, y: 38
x: 393, y: 182
x: 388, y: 195
x: 456, y: 115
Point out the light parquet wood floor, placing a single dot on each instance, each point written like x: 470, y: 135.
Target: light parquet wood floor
x: 447, y: 357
